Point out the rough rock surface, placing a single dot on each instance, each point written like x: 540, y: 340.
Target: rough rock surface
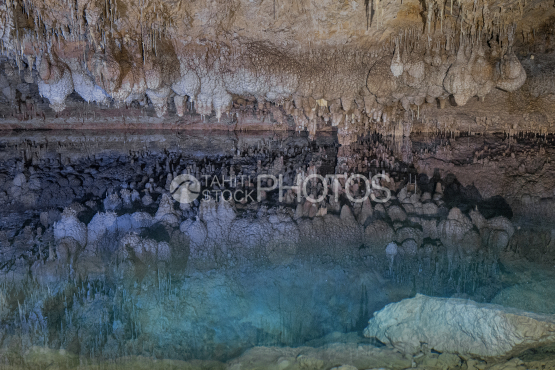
x: 357, y: 66
x: 459, y: 326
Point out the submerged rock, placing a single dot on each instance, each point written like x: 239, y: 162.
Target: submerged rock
x: 530, y: 296
x: 70, y: 226
x: 349, y: 355
x: 459, y: 326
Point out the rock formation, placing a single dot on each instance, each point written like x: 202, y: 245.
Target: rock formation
x: 92, y: 241
x: 459, y: 326
x: 355, y: 68
x: 444, y: 107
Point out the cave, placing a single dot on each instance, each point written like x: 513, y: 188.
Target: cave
x: 277, y: 184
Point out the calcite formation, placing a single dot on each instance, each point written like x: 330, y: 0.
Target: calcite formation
x: 460, y: 326
x: 353, y: 66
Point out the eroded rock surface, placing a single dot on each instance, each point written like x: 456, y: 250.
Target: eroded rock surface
x: 460, y: 326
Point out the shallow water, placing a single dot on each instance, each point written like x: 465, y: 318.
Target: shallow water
x: 95, y: 269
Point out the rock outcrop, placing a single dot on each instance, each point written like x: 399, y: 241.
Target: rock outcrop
x: 460, y: 326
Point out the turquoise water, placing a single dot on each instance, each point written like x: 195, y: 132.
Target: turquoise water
x: 92, y: 278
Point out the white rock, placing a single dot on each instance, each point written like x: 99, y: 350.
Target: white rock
x: 100, y: 224
x: 392, y: 249
x: 135, y: 196
x: 141, y: 219
x: 145, y: 249
x: 188, y: 84
x: 397, y: 64
x: 84, y: 85
x: 159, y: 99
x: 70, y: 226
x: 459, y: 326
x: 477, y: 219
x: 402, y: 195
x: 453, y: 230
x: 56, y: 89
x: 512, y: 75
x: 197, y: 233
x: 109, y: 222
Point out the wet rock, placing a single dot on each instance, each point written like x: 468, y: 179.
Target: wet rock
x: 146, y: 250
x: 166, y: 212
x: 396, y: 213
x: 19, y: 180
x: 67, y: 249
x: 47, y: 218
x: 429, y: 229
x: 329, y: 232
x: 70, y: 227
x: 346, y: 214
x: 147, y: 200
x: 439, y: 361
x: 409, y: 247
x: 459, y: 326
x: 405, y: 233
x: 351, y: 355
x: 429, y: 209
x: 453, y: 230
x: 378, y: 234
x: 112, y: 202
x: 365, y: 212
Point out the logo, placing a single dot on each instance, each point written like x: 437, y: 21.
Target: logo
x: 185, y: 188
